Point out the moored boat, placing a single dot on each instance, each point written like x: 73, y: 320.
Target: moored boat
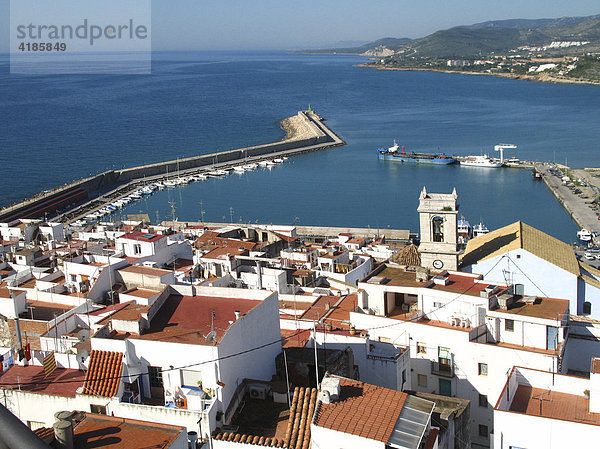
x: 392, y: 154
x: 481, y: 161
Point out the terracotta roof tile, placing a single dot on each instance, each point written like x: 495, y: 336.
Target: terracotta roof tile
x: 364, y: 410
x: 104, y: 373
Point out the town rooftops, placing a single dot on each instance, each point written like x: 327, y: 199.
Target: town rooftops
x: 142, y: 236
x: 453, y: 282
x: 104, y: 373
x: 62, y: 382
x: 521, y: 236
x: 191, y: 319
x: 375, y: 413
x: 109, y: 432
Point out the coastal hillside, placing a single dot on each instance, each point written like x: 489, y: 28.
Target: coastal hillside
x: 485, y: 38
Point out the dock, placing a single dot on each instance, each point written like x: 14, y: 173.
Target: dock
x: 306, y: 132
x: 577, y: 207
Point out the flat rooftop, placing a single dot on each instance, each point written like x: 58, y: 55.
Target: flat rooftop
x: 546, y: 308
x: 141, y: 292
x: 62, y: 382
x: 554, y: 405
x: 146, y: 271
x: 187, y: 319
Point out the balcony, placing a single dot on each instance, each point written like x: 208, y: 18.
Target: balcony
x: 442, y: 369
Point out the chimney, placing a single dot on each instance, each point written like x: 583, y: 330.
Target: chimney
x: 332, y: 386
x: 63, y: 433
x: 238, y: 314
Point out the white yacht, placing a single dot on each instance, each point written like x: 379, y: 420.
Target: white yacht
x: 465, y: 232
x: 481, y: 161
x: 480, y: 229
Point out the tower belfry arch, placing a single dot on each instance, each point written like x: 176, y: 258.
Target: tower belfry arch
x: 438, y: 230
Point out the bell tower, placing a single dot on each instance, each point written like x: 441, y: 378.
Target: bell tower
x: 439, y: 237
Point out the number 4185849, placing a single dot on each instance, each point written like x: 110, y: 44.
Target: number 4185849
x: 43, y: 46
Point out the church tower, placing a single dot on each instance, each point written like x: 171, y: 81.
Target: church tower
x: 439, y: 237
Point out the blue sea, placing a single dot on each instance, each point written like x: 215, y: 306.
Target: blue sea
x: 58, y: 128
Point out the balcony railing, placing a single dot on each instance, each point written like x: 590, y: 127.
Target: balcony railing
x: 442, y: 369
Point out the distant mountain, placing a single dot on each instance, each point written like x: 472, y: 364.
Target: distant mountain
x: 531, y: 24
x: 389, y: 42
x: 478, y: 40
x: 483, y: 38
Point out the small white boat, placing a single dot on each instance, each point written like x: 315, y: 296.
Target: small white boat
x: 239, y: 169
x: 481, y: 161
x: 584, y: 235
x: 263, y: 163
x: 480, y: 229
x: 465, y: 232
x: 278, y: 160
x: 250, y: 167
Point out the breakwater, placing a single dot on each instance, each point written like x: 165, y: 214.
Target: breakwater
x: 305, y: 132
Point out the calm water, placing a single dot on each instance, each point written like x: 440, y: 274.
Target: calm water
x: 55, y: 129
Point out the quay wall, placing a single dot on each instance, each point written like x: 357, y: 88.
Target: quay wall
x: 315, y: 136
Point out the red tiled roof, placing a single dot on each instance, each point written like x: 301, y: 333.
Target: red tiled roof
x: 44, y: 432
x: 62, y: 382
x: 218, y: 253
x: 297, y: 434
x: 364, y: 410
x: 104, y: 373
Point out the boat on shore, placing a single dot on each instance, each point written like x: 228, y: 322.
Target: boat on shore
x: 481, y: 161
x: 584, y: 235
x: 392, y: 154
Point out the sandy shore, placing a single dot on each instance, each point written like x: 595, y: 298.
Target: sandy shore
x: 540, y: 78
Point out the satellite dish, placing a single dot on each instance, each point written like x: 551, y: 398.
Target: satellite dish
x: 82, y: 355
x: 212, y: 336
x: 83, y: 334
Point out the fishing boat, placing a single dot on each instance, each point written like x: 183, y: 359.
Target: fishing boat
x: 392, y: 154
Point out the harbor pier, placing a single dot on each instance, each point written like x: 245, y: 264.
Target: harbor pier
x: 578, y: 207
x: 306, y: 132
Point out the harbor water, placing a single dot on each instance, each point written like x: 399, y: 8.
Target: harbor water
x: 58, y: 128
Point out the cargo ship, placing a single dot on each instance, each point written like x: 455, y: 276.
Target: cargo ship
x: 392, y: 154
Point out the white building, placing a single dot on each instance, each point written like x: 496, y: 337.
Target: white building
x: 544, y: 410
x: 537, y: 264
x: 464, y: 333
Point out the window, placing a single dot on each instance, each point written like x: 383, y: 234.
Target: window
x: 587, y: 308
x: 137, y: 249
x: 483, y: 402
x: 483, y: 431
x: 155, y: 374
x: 438, y: 305
x: 191, y: 378
x: 483, y: 369
x: 518, y: 256
x: 73, y: 278
x: 444, y: 359
x: 403, y: 376
x: 98, y: 409
x: 509, y: 325
x: 422, y: 380
x: 421, y: 348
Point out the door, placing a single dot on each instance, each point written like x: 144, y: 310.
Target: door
x: 445, y: 387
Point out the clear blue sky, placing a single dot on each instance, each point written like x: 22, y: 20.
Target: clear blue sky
x: 282, y: 24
